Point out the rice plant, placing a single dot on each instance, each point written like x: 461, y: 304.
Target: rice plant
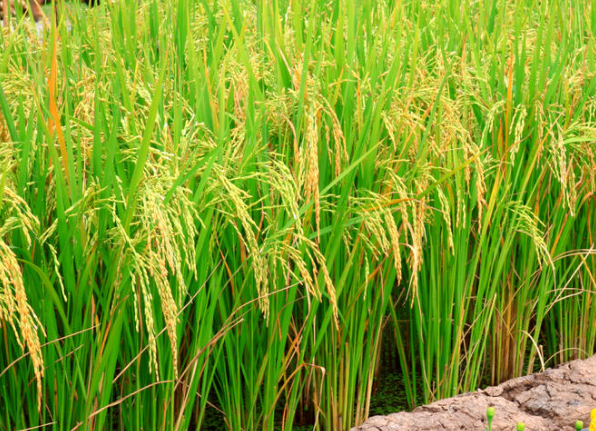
x: 213, y: 211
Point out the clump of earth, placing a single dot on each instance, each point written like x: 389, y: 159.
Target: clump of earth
x: 550, y: 401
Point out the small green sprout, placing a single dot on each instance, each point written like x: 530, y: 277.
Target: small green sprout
x: 521, y: 426
x: 490, y: 413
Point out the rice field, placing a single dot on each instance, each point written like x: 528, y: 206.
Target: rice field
x: 227, y: 211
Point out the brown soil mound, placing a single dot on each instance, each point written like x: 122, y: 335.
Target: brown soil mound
x: 547, y: 401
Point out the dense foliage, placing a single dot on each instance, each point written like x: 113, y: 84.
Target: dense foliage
x: 223, y: 207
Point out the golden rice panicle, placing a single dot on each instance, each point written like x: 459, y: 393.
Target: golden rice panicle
x: 135, y: 302
x: 588, y: 150
x: 492, y: 115
x: 340, y: 145
x: 240, y: 89
x: 237, y: 206
x: 280, y: 108
x: 480, y: 185
x: 130, y: 258
x: 394, y: 238
x: 15, y: 309
x: 169, y: 233
x: 418, y: 233
x: 562, y: 164
x: 528, y: 223
x: 446, y: 211
x: 161, y: 245
x: 159, y: 258
x: 14, y: 305
x: 328, y: 284
x: 375, y: 226
x: 170, y: 312
x: 149, y: 323
x: 305, y: 276
x: 140, y: 271
x: 331, y: 292
x: 460, y: 214
x: 281, y: 181
x: 339, y: 150
x: 311, y: 182
x: 519, y: 119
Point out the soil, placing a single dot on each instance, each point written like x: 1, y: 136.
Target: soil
x: 548, y: 401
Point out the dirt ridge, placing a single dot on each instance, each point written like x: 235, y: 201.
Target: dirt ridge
x: 549, y: 401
